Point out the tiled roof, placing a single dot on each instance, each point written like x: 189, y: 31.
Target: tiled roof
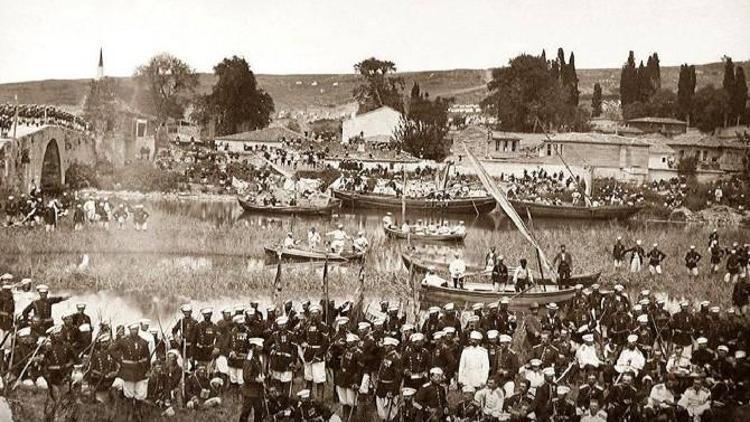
x: 661, y: 120
x: 597, y: 138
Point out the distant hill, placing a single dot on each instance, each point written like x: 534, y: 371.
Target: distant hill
x: 329, y: 93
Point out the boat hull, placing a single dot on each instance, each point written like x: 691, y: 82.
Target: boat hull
x: 289, y: 210
x: 462, y: 298
x: 480, y: 205
x: 608, y: 212
x: 473, y: 273
x: 398, y: 234
x: 299, y: 255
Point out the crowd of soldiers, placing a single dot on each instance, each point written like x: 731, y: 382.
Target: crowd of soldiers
x: 37, y: 115
x: 603, y: 356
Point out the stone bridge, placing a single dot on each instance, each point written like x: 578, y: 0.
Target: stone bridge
x: 41, y: 155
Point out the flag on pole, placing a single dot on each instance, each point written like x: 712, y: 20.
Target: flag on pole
x: 326, y: 313
x: 276, y: 294
x: 502, y: 200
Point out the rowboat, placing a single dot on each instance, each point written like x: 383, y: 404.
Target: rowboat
x: 474, y: 272
x: 478, y: 205
x: 472, y: 293
x: 301, y: 255
x: 606, y: 212
x: 326, y: 209
x: 397, y: 233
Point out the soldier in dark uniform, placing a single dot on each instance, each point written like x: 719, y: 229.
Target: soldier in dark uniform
x: 620, y: 325
x: 133, y: 353
x: 449, y: 318
x: 200, y: 390
x: 533, y: 325
x: 205, y: 337
x: 42, y: 307
x: 238, y: 347
x: 308, y: 410
x: 83, y: 324
x: 661, y: 320
x: 488, y: 320
x: 103, y: 368
x: 389, y: 380
x: 622, y: 399
x: 254, y: 376
x: 563, y: 409
x: 349, y: 374
x: 506, y: 364
x: 702, y: 355
x: 468, y: 409
x: 545, y: 351
x: 506, y: 320
x: 520, y: 404
x: 691, y: 261
x: 551, y: 321
x: 416, y: 362
x: 58, y: 358
x: 406, y: 410
x: 184, y: 330
x: 589, y: 391
x: 431, y: 325
x: 313, y: 339
x: 7, y: 306
x: 283, y: 355
x: 682, y: 328
x: 393, y: 322
x: 431, y: 398
x: 279, y: 405
x: 618, y: 253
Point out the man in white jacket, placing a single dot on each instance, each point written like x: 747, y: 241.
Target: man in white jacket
x: 474, y: 367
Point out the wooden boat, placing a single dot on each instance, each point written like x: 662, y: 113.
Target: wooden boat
x: 301, y: 255
x: 475, y: 272
x: 483, y: 293
x: 478, y: 205
x: 605, y: 212
x: 396, y: 233
x: 326, y: 209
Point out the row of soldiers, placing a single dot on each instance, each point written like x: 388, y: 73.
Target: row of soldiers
x: 602, y: 356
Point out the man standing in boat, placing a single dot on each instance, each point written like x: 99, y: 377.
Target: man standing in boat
x: 360, y: 244
x: 522, y: 277
x: 499, y: 273
x: 313, y: 239
x: 457, y: 268
x: 339, y: 239
x: 564, y: 262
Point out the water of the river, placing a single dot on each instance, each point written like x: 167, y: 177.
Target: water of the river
x: 122, y: 307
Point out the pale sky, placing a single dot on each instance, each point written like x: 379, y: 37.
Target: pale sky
x: 44, y: 39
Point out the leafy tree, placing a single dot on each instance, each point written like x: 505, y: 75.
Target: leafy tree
x: 380, y: 87
x: 710, y: 106
x: 685, y: 91
x: 688, y: 166
x: 100, y: 105
x: 235, y: 100
x: 739, y: 94
x: 596, y: 101
x: 167, y: 84
x: 423, y: 132
x: 524, y: 91
x: 629, y: 81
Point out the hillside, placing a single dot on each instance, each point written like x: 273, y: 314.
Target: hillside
x: 328, y: 94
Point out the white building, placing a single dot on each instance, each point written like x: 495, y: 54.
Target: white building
x: 269, y: 138
x: 377, y: 124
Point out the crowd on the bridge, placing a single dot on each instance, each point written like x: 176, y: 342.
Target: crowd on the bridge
x: 603, y: 356
x: 37, y: 115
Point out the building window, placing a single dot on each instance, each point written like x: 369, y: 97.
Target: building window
x: 549, y: 150
x: 497, y: 145
x: 663, y: 159
x: 514, y: 145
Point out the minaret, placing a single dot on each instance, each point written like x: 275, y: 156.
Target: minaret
x: 100, y: 68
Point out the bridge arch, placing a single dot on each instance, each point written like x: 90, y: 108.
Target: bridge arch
x: 51, y: 178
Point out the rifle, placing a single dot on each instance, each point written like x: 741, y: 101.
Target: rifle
x: 25, y: 368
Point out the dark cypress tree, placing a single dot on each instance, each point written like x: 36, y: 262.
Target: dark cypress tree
x: 643, y: 82
x: 563, y: 67
x: 544, y: 55
x: 739, y: 100
x: 555, y: 70
x: 572, y: 81
x: 685, y: 91
x: 652, y: 75
x: 596, y: 101
x: 657, y: 73
x: 728, y: 84
x: 629, y: 81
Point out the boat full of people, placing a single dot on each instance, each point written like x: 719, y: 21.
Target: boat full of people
x: 296, y: 208
x: 463, y: 205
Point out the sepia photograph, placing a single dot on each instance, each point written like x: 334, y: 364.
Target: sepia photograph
x: 374, y: 210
